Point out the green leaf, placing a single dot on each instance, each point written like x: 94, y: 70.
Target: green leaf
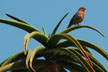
x: 13, y: 58
x: 80, y: 26
x: 83, y: 60
x: 28, y: 59
x: 44, y: 31
x: 49, y: 35
x: 97, y: 68
x: 15, y: 18
x: 68, y: 43
x: 95, y: 47
x: 72, y: 66
x: 84, y: 43
x: 20, y: 25
x: 97, y: 62
x: 38, y: 36
x: 55, y: 29
x: 72, y: 55
x: 20, y: 70
x: 93, y: 59
x: 86, y: 49
x: 6, y: 67
x: 54, y: 40
x: 33, y: 55
x: 38, y: 64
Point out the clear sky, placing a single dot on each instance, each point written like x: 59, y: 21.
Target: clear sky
x: 47, y: 13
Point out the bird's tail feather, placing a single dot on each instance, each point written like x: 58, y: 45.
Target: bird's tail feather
x: 69, y: 25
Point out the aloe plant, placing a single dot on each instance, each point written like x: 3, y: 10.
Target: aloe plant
x: 59, y: 56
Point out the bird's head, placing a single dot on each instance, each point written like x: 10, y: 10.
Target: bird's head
x: 82, y: 8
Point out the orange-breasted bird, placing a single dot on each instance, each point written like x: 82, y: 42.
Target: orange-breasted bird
x: 78, y: 17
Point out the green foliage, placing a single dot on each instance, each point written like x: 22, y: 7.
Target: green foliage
x: 56, y: 53
x: 15, y: 18
x: 55, y: 29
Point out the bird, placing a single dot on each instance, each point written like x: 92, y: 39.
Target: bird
x: 78, y: 17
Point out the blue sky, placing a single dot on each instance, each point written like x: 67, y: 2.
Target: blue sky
x: 47, y: 13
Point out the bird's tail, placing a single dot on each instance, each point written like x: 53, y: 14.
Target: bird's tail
x: 69, y: 25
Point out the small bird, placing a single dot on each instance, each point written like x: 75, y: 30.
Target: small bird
x: 78, y: 17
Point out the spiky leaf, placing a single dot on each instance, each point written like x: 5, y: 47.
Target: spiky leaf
x: 80, y: 26
x: 55, y: 29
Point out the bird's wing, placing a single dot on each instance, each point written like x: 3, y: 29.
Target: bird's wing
x: 72, y: 20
